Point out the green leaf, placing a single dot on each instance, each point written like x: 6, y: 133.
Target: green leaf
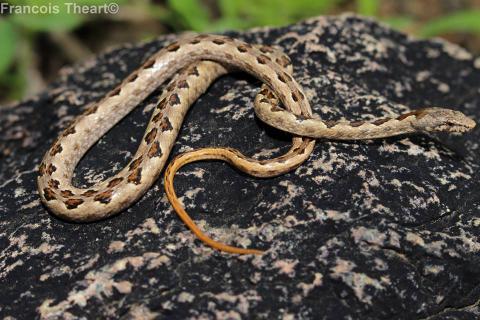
x: 400, y: 22
x: 14, y: 84
x: 49, y: 22
x: 193, y: 14
x: 282, y: 12
x: 7, y: 45
x: 223, y: 24
x: 368, y: 7
x: 230, y: 9
x: 463, y: 21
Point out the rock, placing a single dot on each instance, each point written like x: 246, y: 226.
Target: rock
x: 364, y: 230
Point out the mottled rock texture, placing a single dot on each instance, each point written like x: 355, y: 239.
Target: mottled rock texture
x: 386, y: 229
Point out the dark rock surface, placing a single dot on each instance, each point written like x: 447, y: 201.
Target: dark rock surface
x: 387, y: 229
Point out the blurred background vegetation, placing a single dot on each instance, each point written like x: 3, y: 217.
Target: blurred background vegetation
x: 34, y: 46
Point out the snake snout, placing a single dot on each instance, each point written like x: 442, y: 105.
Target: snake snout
x: 444, y: 120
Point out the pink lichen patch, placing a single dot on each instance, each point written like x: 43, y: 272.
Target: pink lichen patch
x: 307, y: 287
x: 286, y: 267
x: 123, y: 287
x: 358, y: 282
x: 116, y: 246
x: 185, y: 297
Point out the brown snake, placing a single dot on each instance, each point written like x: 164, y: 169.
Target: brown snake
x: 199, y: 60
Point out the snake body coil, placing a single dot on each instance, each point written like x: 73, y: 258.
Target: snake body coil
x: 199, y: 60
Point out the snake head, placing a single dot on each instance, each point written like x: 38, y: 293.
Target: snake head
x: 441, y: 119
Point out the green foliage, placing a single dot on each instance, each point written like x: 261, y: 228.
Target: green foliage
x: 7, y: 45
x: 200, y: 16
x: 23, y: 28
x: 62, y: 21
x: 247, y: 13
x: 463, y: 21
x: 400, y: 22
x: 192, y: 13
x: 278, y: 12
x: 368, y: 7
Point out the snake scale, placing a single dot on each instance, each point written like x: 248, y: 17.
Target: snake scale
x: 194, y: 62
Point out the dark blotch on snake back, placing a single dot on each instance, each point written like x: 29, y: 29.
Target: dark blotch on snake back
x: 173, y: 47
x: 56, y: 149
x: 295, y: 96
x: 150, y: 62
x: 174, y: 99
x: 218, y: 41
x: 171, y: 86
x: 266, y: 49
x: 195, y: 41
x: 288, y: 76
x: 150, y: 136
x: 282, y: 78
x: 275, y: 109
x: 115, y: 92
x: 302, y: 96
x: 135, y: 177
x: 242, y: 48
x: 330, y: 123
x: 48, y: 194
x: 193, y: 72
x: 51, y: 169
x: 162, y: 104
x: 270, y: 95
x: 104, y: 197
x: 66, y: 193
x: 73, y: 203
x: 89, y: 193
x: 183, y: 84
x: 166, y: 125
x: 69, y: 131
x: 264, y: 91
x: 155, y: 150
x: 417, y: 113
x: 135, y: 163
x: 379, y: 122
x: 52, y: 183
x: 283, y: 61
x: 262, y: 59
x: 157, y: 117
x: 356, y: 123
x: 114, y: 182
x: 41, y: 169
x: 202, y: 36
x: 91, y: 110
x: 132, y: 77
x: 264, y: 100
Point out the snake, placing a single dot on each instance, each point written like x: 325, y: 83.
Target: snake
x: 192, y: 63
